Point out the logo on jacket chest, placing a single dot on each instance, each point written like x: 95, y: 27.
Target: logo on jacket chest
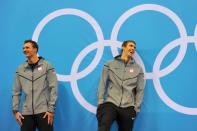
x: 131, y: 70
x: 40, y: 68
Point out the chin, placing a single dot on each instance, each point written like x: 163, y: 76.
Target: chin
x: 129, y: 55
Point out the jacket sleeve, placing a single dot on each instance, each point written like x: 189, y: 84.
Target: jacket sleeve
x: 16, y: 93
x: 52, y: 84
x: 103, y: 84
x: 139, y: 90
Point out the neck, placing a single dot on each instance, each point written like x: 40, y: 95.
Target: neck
x: 124, y: 57
x: 33, y: 59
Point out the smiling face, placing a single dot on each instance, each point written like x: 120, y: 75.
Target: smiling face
x: 129, y: 49
x: 29, y: 50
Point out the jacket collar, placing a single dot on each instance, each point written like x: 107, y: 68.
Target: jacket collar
x: 118, y: 57
x: 39, y: 63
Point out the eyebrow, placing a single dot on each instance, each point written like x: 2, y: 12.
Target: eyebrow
x: 25, y: 47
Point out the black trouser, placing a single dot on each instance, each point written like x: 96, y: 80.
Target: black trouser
x: 107, y: 113
x: 31, y: 122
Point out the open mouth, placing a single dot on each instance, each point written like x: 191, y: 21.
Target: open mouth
x: 26, y: 53
x: 130, y: 52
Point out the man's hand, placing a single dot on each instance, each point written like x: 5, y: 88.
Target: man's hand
x: 19, y: 118
x: 49, y: 116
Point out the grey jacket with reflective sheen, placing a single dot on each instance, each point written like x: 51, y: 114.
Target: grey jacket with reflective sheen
x: 122, y: 84
x: 39, y: 86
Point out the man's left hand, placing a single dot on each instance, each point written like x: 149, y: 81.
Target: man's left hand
x: 49, y: 116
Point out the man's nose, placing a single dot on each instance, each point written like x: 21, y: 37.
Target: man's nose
x: 24, y: 50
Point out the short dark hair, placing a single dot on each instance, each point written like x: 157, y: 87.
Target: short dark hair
x: 124, y: 44
x: 33, y: 43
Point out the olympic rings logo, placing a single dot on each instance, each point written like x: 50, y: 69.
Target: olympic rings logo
x: 115, y: 44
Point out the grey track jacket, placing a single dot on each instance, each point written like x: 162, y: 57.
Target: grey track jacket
x: 39, y: 87
x: 122, y: 84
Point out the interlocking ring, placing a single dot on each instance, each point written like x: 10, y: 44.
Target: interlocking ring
x: 115, y: 44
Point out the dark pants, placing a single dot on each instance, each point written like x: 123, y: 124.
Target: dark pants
x: 107, y: 113
x: 31, y: 122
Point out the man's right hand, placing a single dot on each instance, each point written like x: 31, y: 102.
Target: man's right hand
x: 19, y: 118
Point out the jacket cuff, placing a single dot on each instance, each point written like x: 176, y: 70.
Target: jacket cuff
x: 14, y: 111
x: 137, y: 109
x: 51, y: 109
